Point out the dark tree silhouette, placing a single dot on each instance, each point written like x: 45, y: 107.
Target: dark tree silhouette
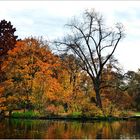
x: 7, y: 37
x: 7, y: 40
x: 94, y: 43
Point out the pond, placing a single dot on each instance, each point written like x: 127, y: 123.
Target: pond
x: 52, y: 129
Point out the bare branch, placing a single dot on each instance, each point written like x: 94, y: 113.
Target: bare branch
x: 88, y: 39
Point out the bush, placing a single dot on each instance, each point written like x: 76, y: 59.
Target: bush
x: 89, y: 110
x: 52, y: 110
x: 123, y: 113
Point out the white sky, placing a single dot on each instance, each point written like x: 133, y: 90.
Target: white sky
x: 47, y: 19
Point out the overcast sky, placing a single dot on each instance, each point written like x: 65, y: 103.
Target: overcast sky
x: 47, y: 19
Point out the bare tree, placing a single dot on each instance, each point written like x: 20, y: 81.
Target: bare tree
x: 94, y: 43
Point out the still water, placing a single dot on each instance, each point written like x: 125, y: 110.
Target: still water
x: 49, y: 129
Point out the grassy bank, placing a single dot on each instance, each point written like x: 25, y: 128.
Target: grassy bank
x: 137, y: 114
x: 27, y: 114
x: 74, y: 116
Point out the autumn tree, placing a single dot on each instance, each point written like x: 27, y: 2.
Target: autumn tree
x: 69, y: 63
x: 94, y: 44
x: 133, y: 84
x: 114, y: 91
x: 29, y: 71
x: 7, y: 40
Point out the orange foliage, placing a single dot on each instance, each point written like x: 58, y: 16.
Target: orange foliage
x: 28, y: 64
x: 38, y: 79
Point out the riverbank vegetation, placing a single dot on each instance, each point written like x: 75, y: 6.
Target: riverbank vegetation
x: 83, y: 80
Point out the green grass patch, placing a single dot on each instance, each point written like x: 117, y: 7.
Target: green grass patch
x: 27, y: 114
x: 75, y: 114
x: 137, y: 113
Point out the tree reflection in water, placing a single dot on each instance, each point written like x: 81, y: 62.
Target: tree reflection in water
x: 46, y: 129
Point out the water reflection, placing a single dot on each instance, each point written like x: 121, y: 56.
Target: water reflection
x: 44, y: 129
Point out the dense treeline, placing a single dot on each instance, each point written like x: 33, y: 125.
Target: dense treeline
x: 33, y: 78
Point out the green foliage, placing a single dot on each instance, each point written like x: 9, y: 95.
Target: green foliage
x: 75, y: 114
x: 27, y: 114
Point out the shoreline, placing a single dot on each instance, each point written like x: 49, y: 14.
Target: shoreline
x: 82, y: 119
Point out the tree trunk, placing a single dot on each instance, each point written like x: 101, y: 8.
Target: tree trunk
x: 66, y: 107
x: 96, y: 87
x: 98, y: 96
